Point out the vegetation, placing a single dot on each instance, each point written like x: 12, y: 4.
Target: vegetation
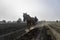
x: 55, y: 26
x: 10, y: 27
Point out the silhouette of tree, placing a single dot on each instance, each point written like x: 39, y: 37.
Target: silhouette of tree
x: 4, y: 21
x: 57, y: 21
x: 19, y: 20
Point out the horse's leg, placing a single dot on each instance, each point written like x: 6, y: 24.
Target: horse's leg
x: 31, y: 23
x: 28, y: 26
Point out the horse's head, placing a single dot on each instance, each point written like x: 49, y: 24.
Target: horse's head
x: 26, y: 17
x: 24, y: 14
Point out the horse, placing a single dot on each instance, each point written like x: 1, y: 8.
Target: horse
x: 30, y: 20
x: 27, y: 19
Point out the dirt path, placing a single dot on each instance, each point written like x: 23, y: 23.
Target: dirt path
x: 36, y: 34
x: 55, y: 33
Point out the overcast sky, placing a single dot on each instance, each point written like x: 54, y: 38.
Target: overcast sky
x: 43, y: 9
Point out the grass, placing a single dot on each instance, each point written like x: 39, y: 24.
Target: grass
x: 6, y: 28
x: 55, y: 26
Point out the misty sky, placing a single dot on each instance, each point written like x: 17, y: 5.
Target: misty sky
x: 43, y: 9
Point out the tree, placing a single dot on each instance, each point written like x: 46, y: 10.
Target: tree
x: 4, y: 21
x: 19, y: 20
x: 57, y: 21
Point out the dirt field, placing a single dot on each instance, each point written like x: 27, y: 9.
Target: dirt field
x: 55, y: 29
x: 14, y: 31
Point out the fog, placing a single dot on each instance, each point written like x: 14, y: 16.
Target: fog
x: 43, y: 9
